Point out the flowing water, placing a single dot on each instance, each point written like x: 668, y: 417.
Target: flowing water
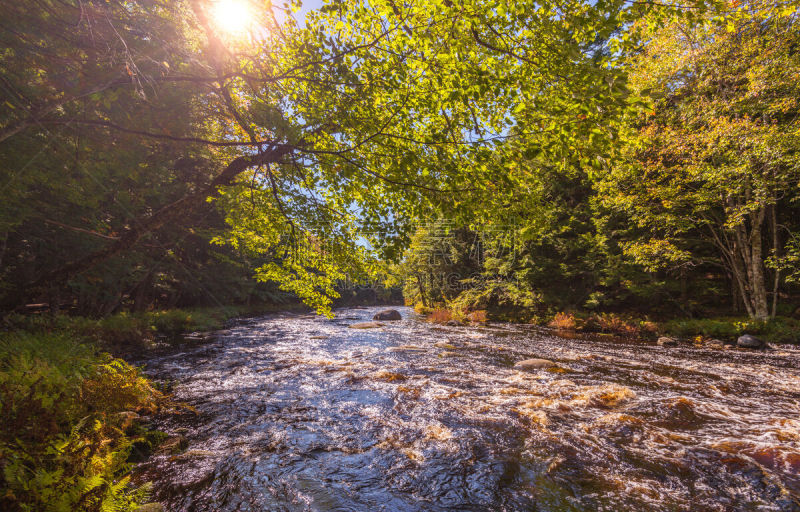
x: 297, y: 412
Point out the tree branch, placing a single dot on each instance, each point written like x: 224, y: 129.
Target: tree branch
x: 161, y: 217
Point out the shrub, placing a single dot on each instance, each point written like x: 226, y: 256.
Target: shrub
x: 783, y: 330
x: 477, y: 316
x: 440, y: 316
x: 126, y: 329
x: 564, y: 321
x: 502, y: 300
x: 613, y: 323
x: 62, y: 431
x: 420, y: 309
x: 604, y: 322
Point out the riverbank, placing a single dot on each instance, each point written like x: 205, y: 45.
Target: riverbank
x: 780, y: 329
x: 68, y: 423
x: 71, y: 418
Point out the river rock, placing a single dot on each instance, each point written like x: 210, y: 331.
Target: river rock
x: 403, y: 348
x: 534, y: 364
x: 173, y: 445
x: 388, y: 314
x: 445, y: 345
x: 127, y: 418
x: 749, y: 341
x: 365, y: 325
x: 665, y: 341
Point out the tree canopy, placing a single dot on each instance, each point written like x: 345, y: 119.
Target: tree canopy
x: 320, y: 144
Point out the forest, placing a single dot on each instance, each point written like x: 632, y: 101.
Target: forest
x: 608, y: 166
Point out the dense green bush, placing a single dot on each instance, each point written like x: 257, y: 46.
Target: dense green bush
x: 502, y: 300
x: 65, y: 413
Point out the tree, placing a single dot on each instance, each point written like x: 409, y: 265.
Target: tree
x: 371, y: 116
x: 715, y: 161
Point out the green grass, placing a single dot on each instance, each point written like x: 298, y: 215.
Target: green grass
x: 776, y: 330
x: 127, y: 330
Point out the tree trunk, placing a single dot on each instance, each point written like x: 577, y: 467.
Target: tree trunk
x: 3, y: 245
x: 421, y: 287
x: 55, y: 300
x: 775, y: 254
x: 141, y: 294
x: 736, y: 301
x: 757, y: 278
x: 684, y: 290
x: 738, y: 266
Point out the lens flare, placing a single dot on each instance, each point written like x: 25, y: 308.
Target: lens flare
x: 232, y: 16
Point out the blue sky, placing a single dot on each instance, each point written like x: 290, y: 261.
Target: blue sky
x: 308, y: 5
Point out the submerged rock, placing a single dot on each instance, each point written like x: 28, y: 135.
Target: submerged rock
x: 388, y: 314
x: 610, y: 395
x: 749, y: 341
x: 665, y: 341
x: 173, y: 445
x: 534, y: 364
x: 150, y: 507
x: 193, y: 454
x: 365, y: 325
x: 402, y: 348
x: 444, y: 344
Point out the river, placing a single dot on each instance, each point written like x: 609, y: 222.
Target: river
x: 299, y: 412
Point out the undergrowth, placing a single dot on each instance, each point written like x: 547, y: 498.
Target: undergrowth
x: 67, y: 411
x: 610, y: 323
x: 126, y: 330
x: 776, y: 330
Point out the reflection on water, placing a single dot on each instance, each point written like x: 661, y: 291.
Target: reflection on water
x: 297, y: 412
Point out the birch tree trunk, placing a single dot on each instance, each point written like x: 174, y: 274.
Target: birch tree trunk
x: 757, y: 279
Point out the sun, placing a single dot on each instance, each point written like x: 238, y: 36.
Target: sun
x: 232, y: 16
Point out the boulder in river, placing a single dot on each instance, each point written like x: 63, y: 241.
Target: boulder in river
x: 749, y: 341
x: 534, y: 364
x: 365, y: 325
x: 387, y: 314
x: 665, y: 341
